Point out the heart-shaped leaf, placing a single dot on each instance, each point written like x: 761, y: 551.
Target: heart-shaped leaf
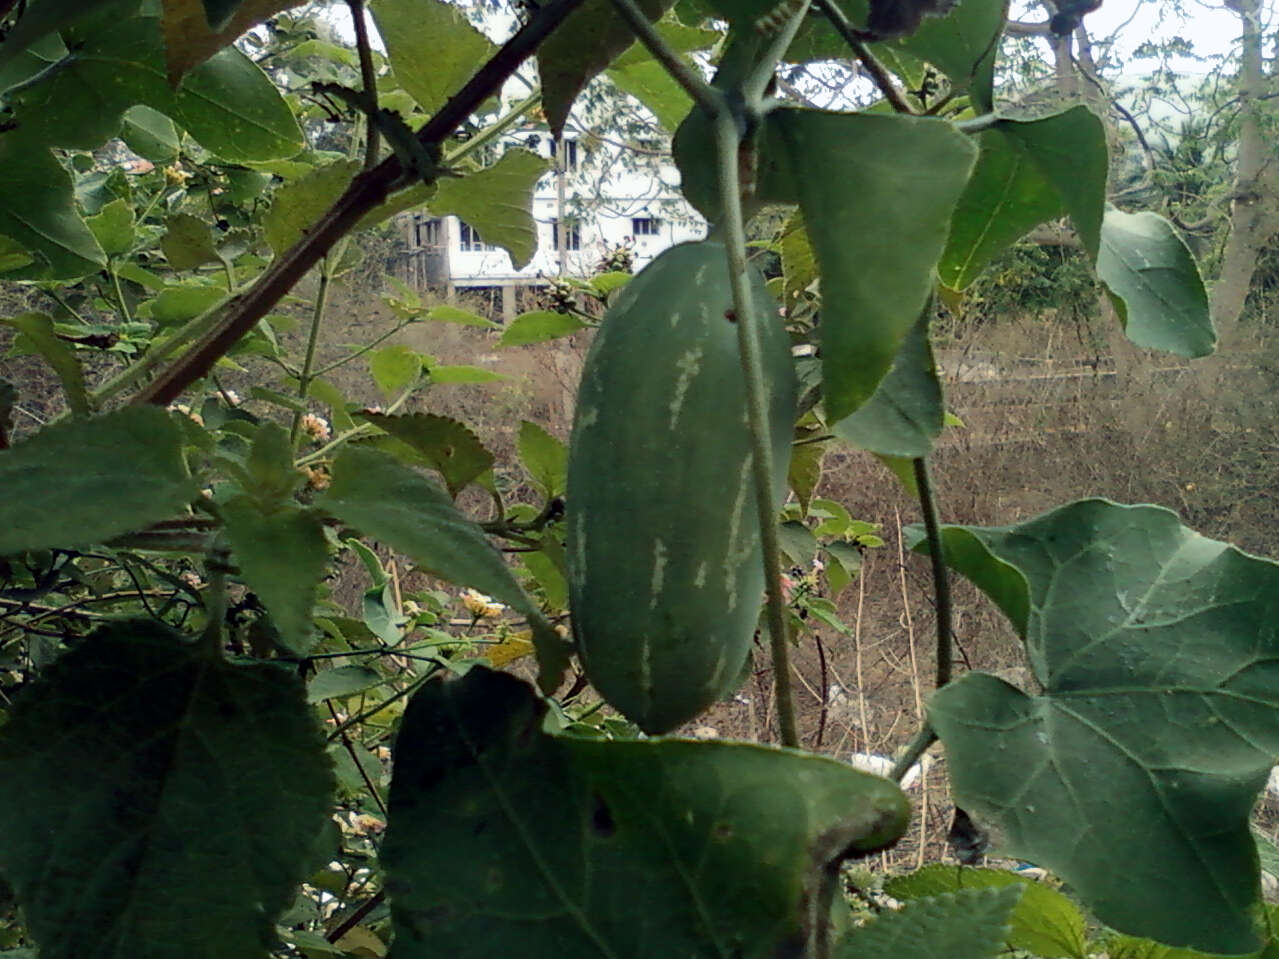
x: 1158, y: 655
x: 137, y: 770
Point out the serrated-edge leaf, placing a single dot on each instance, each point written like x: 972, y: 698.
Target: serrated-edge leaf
x: 92, y: 479
x: 969, y: 924
x: 392, y: 503
x: 496, y: 202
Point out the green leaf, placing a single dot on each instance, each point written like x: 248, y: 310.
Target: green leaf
x: 92, y: 480
x: 395, y: 368
x: 390, y: 502
x: 588, y: 40
x: 453, y: 314
x: 13, y: 256
x: 1044, y: 922
x: 843, y: 563
x: 605, y: 283
x: 905, y: 413
x: 1154, y: 284
x: 545, y: 459
x: 650, y: 83
x: 155, y: 766
x: 538, y: 327
x: 178, y: 304
x: 150, y: 134
x: 496, y: 202
x: 799, y: 264
x: 42, y: 19
x: 1267, y: 852
x: 36, y: 330
x: 1156, y: 652
x: 1027, y: 173
x: 504, y: 841
x: 297, y: 205
x: 190, y: 40
x: 38, y: 211
x: 805, y: 471
x: 113, y: 228
x: 187, y: 242
x: 282, y: 554
x: 228, y: 104
x: 548, y: 567
x: 877, y: 230
x: 970, y: 924
x: 797, y: 542
x: 444, y: 444
x: 342, y: 681
x: 461, y: 373
x: 432, y: 47
x: 270, y: 476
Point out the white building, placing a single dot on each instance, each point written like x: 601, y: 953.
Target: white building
x: 604, y: 202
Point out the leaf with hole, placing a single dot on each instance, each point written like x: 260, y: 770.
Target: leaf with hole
x: 505, y: 841
x: 446, y: 445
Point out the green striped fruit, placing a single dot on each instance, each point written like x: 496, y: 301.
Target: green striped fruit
x: 665, y: 569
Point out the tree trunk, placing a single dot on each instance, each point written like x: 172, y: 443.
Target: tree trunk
x: 1254, y: 211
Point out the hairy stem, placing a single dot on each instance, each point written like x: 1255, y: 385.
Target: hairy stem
x: 727, y: 142
x: 680, y: 72
x: 368, y: 79
x: 762, y: 72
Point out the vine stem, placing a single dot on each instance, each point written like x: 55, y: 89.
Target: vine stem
x: 728, y: 139
x: 878, y: 74
x: 368, y: 79
x: 941, y: 577
x: 925, y: 737
x: 697, y: 88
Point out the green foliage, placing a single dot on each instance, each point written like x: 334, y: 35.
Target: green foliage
x: 186, y: 595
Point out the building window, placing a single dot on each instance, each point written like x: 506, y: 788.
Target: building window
x: 572, y: 239
x: 570, y: 153
x: 469, y: 240
x: 426, y: 231
x: 645, y: 226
